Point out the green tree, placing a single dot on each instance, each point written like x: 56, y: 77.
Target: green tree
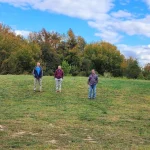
x: 105, y: 57
x: 71, y: 41
x: 66, y: 67
x: 146, y: 71
x: 133, y: 70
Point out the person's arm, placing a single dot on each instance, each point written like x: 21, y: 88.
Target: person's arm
x: 62, y: 74
x: 33, y: 73
x: 88, y: 81
x: 55, y: 74
x: 41, y: 72
x: 97, y: 79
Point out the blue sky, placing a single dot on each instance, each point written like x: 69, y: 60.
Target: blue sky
x: 124, y: 23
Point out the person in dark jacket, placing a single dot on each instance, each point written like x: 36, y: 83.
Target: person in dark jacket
x: 92, y: 82
x: 59, y: 74
x: 38, y: 74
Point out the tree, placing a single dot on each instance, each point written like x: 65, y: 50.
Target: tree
x: 18, y: 55
x: 105, y: 57
x: 71, y: 41
x: 66, y: 67
x: 146, y: 71
x: 80, y: 43
x: 133, y: 70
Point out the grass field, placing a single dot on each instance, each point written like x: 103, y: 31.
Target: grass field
x: 119, y: 118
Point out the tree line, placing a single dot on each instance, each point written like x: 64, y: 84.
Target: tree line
x: 18, y: 55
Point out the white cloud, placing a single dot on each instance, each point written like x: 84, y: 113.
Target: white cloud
x: 79, y: 8
x: 109, y: 25
x: 133, y: 26
x: 140, y: 52
x: 23, y: 33
x: 124, y: 2
x: 109, y: 36
x: 97, y: 13
x: 147, y: 2
x: 121, y: 14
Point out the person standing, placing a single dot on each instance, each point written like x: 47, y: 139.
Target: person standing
x: 38, y: 74
x: 92, y: 82
x: 59, y: 74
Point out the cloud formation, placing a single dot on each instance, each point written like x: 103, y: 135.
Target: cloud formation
x: 23, y: 33
x: 97, y: 13
x: 82, y: 9
x: 111, y: 24
x: 140, y: 52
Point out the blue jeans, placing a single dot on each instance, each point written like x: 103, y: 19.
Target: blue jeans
x: 92, y: 91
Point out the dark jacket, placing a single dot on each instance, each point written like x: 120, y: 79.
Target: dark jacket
x: 35, y: 73
x: 59, y: 74
x: 93, y: 79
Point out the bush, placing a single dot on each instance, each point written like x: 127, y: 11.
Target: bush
x: 148, y: 77
x: 74, y: 70
x: 107, y: 75
x: 141, y: 76
x: 48, y: 73
x: 66, y: 67
x: 133, y: 69
x: 82, y: 73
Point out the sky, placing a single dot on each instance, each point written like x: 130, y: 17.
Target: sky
x: 124, y: 23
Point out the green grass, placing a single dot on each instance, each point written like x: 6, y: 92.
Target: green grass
x: 119, y: 119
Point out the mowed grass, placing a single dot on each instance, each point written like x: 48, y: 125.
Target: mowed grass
x: 119, y: 118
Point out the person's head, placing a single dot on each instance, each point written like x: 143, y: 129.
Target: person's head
x: 38, y: 64
x: 93, y: 71
x: 59, y: 67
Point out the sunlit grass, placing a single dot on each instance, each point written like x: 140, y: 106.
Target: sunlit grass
x: 119, y: 118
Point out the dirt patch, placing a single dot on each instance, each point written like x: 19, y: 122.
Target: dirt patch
x: 52, y: 142
x: 19, y: 134
x: 31, y: 133
x: 89, y: 139
x: 63, y: 134
x: 51, y: 125
x: 2, y: 128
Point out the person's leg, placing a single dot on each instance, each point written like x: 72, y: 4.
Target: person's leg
x: 94, y: 91
x: 35, y: 82
x: 40, y: 83
x: 60, y: 83
x: 56, y: 80
x: 90, y: 91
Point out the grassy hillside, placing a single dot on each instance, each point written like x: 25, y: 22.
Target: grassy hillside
x: 119, y: 119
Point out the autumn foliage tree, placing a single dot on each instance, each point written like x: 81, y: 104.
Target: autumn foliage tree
x: 105, y: 57
x: 146, y: 71
x: 19, y: 55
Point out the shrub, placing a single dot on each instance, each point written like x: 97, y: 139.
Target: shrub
x: 48, y: 73
x: 140, y: 76
x: 66, y: 67
x: 107, y: 75
x: 82, y: 73
x: 74, y: 70
x: 148, y: 77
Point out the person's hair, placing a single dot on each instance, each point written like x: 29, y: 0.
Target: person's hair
x: 38, y: 63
